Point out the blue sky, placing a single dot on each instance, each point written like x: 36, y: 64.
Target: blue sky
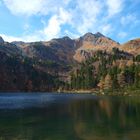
x: 42, y: 20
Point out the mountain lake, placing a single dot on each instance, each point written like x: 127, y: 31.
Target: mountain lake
x: 51, y: 116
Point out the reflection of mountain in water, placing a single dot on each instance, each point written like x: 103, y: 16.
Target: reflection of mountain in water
x: 102, y: 118
x: 107, y: 118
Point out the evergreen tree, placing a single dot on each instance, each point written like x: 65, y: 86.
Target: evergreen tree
x: 101, y: 83
x: 121, y: 80
x: 113, y: 73
x: 89, y: 77
x: 130, y: 63
x: 108, y: 82
x: 129, y: 74
x: 122, y: 65
x: 137, y: 76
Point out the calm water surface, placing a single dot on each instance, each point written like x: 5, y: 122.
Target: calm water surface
x: 68, y: 117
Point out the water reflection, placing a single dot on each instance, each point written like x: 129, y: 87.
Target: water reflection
x: 107, y: 118
x: 104, y: 118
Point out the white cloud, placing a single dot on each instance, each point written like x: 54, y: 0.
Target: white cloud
x: 106, y: 29
x: 49, y: 31
x: 24, y: 7
x: 81, y: 16
x: 26, y: 27
x: 129, y: 19
x: 10, y: 38
x: 32, y: 37
x: 33, y: 7
x: 71, y: 34
x: 85, y: 15
x: 54, y: 26
x: 122, y: 34
x: 89, y: 8
x: 114, y: 6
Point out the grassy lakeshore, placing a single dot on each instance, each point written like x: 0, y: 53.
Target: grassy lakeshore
x: 79, y: 91
x: 122, y: 92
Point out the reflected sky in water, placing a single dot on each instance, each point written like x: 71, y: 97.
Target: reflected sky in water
x: 68, y: 117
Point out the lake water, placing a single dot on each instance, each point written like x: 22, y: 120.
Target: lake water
x: 68, y: 117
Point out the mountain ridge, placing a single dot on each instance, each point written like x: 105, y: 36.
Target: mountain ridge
x: 56, y: 58
x: 69, y: 50
x: 86, y: 44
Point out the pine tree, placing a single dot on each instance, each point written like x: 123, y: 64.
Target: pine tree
x: 121, y: 80
x: 101, y: 83
x: 73, y: 81
x: 130, y: 63
x: 137, y: 76
x: 122, y: 65
x: 108, y: 82
x: 114, y: 64
x: 130, y: 74
x: 89, y: 80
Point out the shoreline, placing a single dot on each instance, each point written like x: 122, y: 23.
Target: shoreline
x: 123, y: 92
x: 101, y: 93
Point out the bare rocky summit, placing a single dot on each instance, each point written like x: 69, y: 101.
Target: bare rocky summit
x: 91, y: 43
x: 1, y: 40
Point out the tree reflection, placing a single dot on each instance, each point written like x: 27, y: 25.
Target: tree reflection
x: 103, y: 118
x: 106, y: 118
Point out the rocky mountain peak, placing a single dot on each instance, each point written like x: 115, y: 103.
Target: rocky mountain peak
x: 92, y: 37
x: 97, y: 39
x: 66, y: 38
x: 88, y: 36
x: 1, y: 40
x: 18, y: 42
x: 63, y: 39
x: 98, y: 34
x: 91, y: 43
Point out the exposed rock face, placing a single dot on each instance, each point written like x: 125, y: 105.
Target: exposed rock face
x: 57, y: 50
x: 90, y: 37
x: 10, y: 49
x: 132, y: 46
x: 66, y: 50
x: 19, y: 43
x: 1, y: 40
x: 91, y: 43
